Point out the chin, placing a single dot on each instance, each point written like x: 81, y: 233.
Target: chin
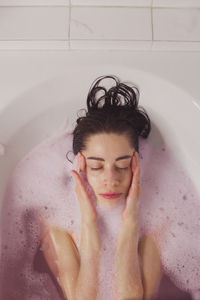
x: 109, y: 202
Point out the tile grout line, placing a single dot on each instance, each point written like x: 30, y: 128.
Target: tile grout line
x: 132, y: 6
x: 69, y: 28
x: 32, y: 6
x: 152, y: 33
x: 129, y: 40
x: 102, y: 6
x: 106, y: 40
x: 152, y: 29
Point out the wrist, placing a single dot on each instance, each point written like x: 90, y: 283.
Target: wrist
x: 91, y: 220
x: 130, y: 216
x: 128, y: 235
x: 90, y: 223
x: 90, y: 239
x: 131, y: 223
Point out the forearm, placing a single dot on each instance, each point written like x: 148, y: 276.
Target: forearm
x: 128, y: 275
x: 90, y: 247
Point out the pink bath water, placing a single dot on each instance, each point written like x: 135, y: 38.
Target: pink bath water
x: 42, y: 188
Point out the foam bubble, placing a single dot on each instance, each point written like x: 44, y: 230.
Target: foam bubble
x: 42, y: 190
x: 2, y: 149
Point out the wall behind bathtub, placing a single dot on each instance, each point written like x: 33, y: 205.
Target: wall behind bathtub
x: 100, y: 24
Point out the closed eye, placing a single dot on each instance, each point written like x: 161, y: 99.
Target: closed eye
x: 101, y: 168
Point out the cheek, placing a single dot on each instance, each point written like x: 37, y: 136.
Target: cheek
x: 93, y: 178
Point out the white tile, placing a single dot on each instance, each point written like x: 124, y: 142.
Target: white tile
x: 111, y: 23
x: 175, y: 46
x: 135, y: 3
x: 18, y: 23
x: 176, y: 3
x: 34, y: 45
x: 110, y: 45
x: 176, y: 24
x: 34, y: 2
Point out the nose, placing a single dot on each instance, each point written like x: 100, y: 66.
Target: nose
x: 111, y: 177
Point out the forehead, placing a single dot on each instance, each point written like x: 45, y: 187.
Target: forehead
x: 108, y: 144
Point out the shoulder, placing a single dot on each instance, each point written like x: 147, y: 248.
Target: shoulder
x: 149, y: 255
x: 151, y: 265
x: 59, y: 236
x: 57, y: 242
x: 147, y: 247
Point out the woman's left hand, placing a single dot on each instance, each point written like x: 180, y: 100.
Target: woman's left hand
x: 134, y: 193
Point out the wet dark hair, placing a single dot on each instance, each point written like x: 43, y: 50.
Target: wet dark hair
x: 116, y: 111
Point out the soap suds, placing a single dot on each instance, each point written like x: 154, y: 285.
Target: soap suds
x: 2, y: 149
x: 43, y: 188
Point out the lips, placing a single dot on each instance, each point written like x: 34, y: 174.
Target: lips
x: 111, y: 195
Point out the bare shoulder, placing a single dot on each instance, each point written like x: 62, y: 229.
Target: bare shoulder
x: 151, y: 265
x: 59, y: 238
x: 148, y: 250
x: 62, y: 256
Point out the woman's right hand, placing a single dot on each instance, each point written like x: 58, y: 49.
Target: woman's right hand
x: 90, y: 246
x: 88, y: 210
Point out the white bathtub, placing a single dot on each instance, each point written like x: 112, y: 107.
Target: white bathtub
x: 39, y: 111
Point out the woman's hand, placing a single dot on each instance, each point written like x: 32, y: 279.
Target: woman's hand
x: 90, y: 246
x: 132, y: 200
x: 87, y: 207
x: 128, y: 275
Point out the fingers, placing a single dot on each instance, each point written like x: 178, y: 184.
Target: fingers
x: 86, y: 205
x: 137, y: 177
x: 135, y: 181
x: 81, y: 162
x: 135, y: 188
x: 80, y: 168
x: 82, y: 194
x: 79, y: 184
x: 135, y: 165
x: 135, y: 161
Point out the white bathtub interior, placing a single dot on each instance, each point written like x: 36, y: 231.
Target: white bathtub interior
x: 40, y: 111
x: 37, y: 113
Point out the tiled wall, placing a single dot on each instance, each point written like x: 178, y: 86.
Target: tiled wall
x: 100, y: 24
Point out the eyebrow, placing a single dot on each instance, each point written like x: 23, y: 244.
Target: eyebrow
x: 118, y: 158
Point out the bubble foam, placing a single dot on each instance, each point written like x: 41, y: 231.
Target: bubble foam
x: 42, y: 188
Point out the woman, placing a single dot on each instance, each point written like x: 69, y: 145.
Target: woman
x: 106, y: 141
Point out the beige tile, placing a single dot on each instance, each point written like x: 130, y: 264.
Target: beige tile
x: 135, y: 3
x: 34, y: 23
x: 176, y: 3
x: 111, y: 23
x: 176, y: 24
x: 34, y: 2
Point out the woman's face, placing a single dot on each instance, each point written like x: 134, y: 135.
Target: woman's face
x: 108, y: 165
